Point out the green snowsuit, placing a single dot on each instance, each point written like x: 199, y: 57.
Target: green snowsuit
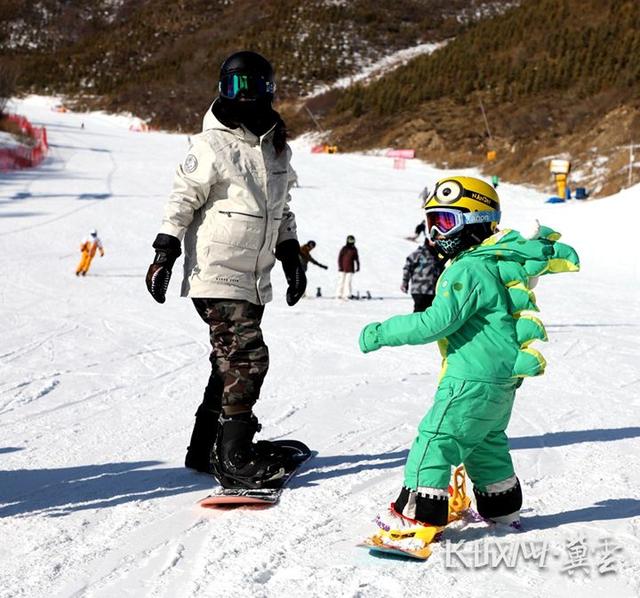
x: 481, y: 318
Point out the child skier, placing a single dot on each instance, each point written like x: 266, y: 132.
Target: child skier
x: 348, y: 264
x: 481, y: 322
x: 89, y: 246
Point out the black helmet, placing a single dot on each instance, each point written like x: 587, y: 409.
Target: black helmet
x: 351, y: 240
x: 311, y: 244
x: 246, y: 76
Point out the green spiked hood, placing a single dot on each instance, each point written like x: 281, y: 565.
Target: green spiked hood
x: 541, y: 254
x: 520, y: 261
x: 483, y: 313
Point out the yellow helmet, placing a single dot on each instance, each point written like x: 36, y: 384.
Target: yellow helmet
x: 463, y: 192
x: 458, y: 201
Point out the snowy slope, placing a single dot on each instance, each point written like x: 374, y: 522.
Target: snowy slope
x: 380, y: 67
x: 98, y: 386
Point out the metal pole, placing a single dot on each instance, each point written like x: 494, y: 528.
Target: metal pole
x: 486, y: 122
x: 313, y: 118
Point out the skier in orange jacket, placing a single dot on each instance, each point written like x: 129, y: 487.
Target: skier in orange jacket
x: 89, y: 246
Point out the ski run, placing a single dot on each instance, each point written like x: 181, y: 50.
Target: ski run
x: 99, y: 385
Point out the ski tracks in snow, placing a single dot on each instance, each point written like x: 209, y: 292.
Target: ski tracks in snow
x: 154, y: 560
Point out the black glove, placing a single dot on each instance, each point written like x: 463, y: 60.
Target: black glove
x: 324, y: 267
x: 159, y: 272
x: 288, y: 252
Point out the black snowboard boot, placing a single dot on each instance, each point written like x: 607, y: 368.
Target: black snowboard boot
x: 239, y: 463
x: 428, y: 508
x: 203, y: 438
x: 501, y: 502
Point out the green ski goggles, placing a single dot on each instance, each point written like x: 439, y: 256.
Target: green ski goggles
x: 251, y: 87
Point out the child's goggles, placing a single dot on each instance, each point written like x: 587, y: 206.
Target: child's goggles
x: 252, y: 87
x: 448, y: 221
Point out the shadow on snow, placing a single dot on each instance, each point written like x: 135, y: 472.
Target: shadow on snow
x: 322, y: 468
x: 551, y: 439
x: 10, y: 449
x: 56, y: 492
x: 604, y: 510
x: 355, y: 464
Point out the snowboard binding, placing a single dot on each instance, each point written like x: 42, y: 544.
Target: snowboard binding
x: 409, y: 538
x: 290, y: 454
x: 237, y: 492
x: 239, y: 463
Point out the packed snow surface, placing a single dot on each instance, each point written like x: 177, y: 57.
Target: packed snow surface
x: 99, y: 385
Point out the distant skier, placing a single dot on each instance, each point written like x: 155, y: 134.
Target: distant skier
x: 348, y: 264
x: 305, y: 256
x: 89, y: 247
x: 419, y: 230
x: 420, y: 227
x: 478, y: 318
x: 295, y: 182
x: 230, y: 203
x: 420, y: 273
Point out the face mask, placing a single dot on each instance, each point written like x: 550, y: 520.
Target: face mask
x: 450, y: 247
x: 257, y: 116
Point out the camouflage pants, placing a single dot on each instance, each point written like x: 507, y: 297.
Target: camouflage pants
x: 239, y: 358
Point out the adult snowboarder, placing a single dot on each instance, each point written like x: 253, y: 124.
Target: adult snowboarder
x: 230, y: 206
x: 421, y: 271
x: 89, y: 247
x: 348, y: 264
x: 479, y: 319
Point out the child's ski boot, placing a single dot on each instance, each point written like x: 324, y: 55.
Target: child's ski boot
x: 399, y: 534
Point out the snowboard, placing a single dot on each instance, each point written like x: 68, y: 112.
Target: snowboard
x: 366, y: 297
x: 403, y: 544
x: 357, y: 297
x: 416, y: 543
x: 418, y: 546
x: 267, y: 495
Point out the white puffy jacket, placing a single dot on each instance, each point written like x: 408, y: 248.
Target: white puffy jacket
x: 230, y: 204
